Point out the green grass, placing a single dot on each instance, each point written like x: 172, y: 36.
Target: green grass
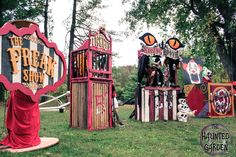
x: 136, y: 139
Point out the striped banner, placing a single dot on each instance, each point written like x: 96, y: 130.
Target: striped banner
x: 29, y: 62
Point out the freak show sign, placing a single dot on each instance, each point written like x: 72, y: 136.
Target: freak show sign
x: 30, y: 66
x: 29, y: 62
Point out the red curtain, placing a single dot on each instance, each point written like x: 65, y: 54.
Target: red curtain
x: 22, y: 121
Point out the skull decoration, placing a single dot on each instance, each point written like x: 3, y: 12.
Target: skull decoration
x: 183, y: 106
x: 182, y: 116
x: 183, y: 110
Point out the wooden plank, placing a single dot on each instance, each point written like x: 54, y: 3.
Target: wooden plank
x: 165, y: 105
x: 94, y: 111
x: 79, y: 108
x: 85, y: 106
x: 142, y: 104
x: 98, y: 105
x: 146, y: 107
x: 170, y: 104
x: 74, y: 105
x: 174, y: 105
x: 156, y: 105
x: 161, y: 105
x: 151, y: 106
x: 105, y: 124
x: 102, y: 103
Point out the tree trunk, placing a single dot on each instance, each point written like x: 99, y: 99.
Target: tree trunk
x: 46, y: 19
x: 72, y: 34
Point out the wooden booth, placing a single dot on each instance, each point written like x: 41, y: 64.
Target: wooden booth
x: 91, y: 82
x: 157, y: 67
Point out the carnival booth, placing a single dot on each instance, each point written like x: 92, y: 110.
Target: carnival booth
x: 157, y: 91
x: 91, y: 83
x: 30, y: 66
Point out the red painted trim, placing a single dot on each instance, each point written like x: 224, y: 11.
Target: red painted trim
x: 79, y: 79
x: 93, y: 48
x: 151, y: 106
x: 100, y: 79
x: 90, y: 111
x: 110, y: 105
x: 8, y: 27
x: 161, y: 88
x: 100, y: 71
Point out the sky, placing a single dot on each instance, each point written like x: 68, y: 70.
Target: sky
x: 111, y: 16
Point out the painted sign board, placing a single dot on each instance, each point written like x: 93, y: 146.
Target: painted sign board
x: 29, y: 62
x: 221, y: 100
x: 192, y: 69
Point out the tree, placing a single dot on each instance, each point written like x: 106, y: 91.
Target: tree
x: 125, y: 79
x: 81, y: 21
x: 208, y: 27
x: 20, y: 9
x: 48, y: 19
x: 131, y: 85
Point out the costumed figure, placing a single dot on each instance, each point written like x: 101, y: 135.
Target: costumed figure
x: 206, y: 75
x: 115, y: 106
x: 154, y: 73
x: 173, y: 66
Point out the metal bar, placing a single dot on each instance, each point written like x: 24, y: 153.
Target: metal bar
x: 43, y: 103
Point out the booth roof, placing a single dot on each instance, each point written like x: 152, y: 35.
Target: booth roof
x: 84, y: 46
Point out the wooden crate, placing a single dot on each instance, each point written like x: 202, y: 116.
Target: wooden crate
x: 157, y: 103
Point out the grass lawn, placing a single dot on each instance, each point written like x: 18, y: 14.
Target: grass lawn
x: 136, y: 139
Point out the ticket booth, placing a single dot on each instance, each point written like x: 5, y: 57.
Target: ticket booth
x: 91, y: 81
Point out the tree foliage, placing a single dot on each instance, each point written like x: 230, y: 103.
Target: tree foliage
x: 207, y: 26
x: 20, y: 9
x: 125, y: 78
